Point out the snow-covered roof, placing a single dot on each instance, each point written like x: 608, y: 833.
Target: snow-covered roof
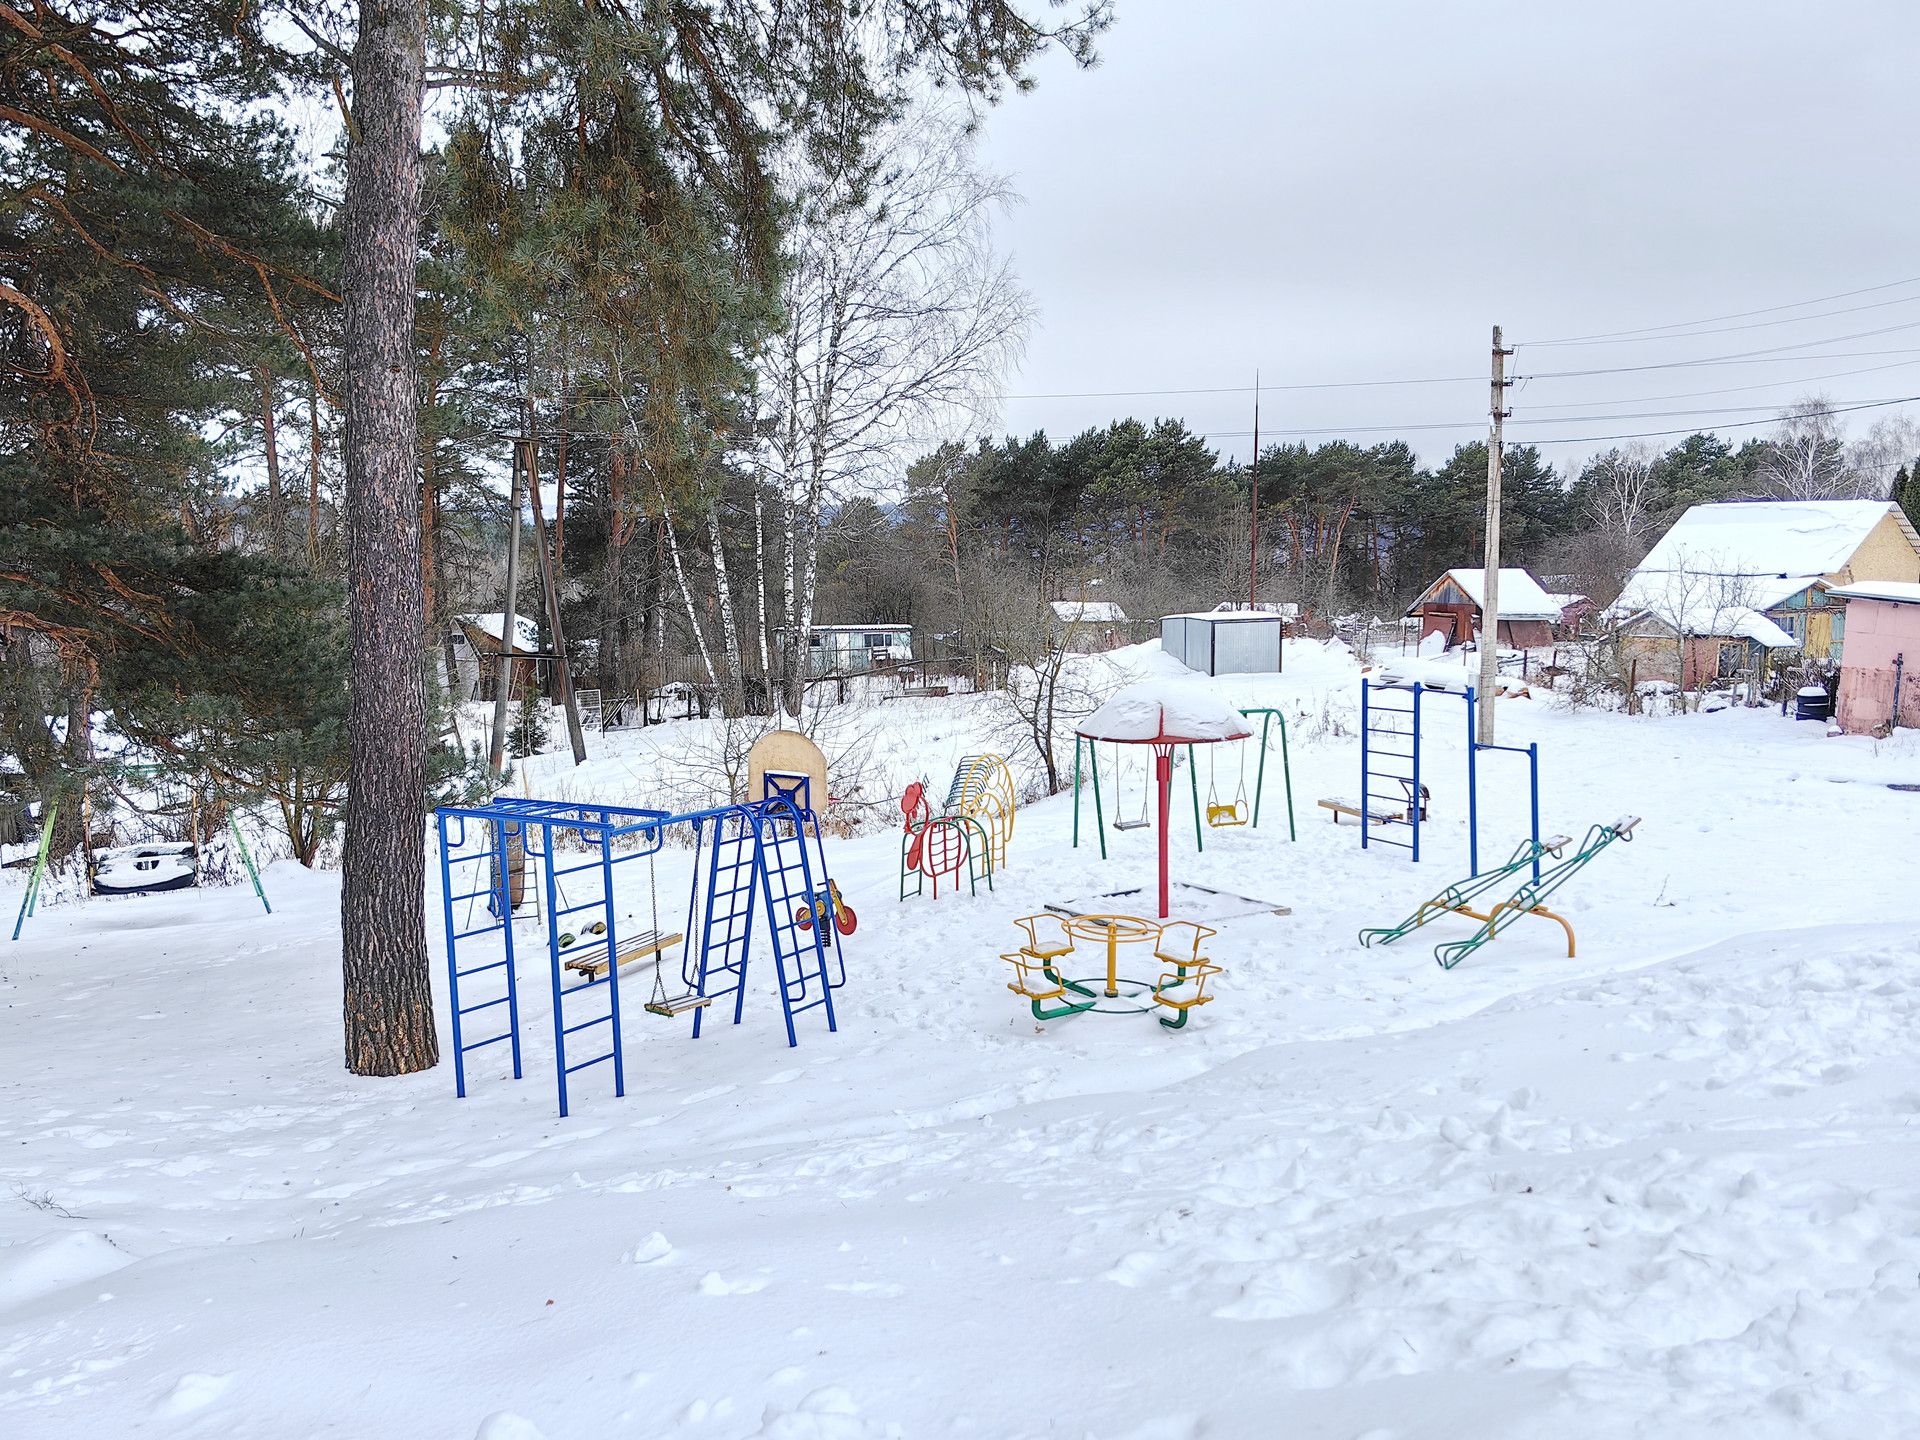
x: 1164, y: 711
x: 1521, y: 596
x: 1565, y: 599
x: 1894, y: 592
x: 1709, y: 620
x: 1092, y: 612
x: 1228, y: 616
x: 526, y: 630
x: 1770, y: 537
x: 1662, y: 590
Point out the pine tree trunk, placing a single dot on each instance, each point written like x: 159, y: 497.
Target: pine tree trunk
x: 313, y: 476
x: 270, y: 444
x: 387, y: 992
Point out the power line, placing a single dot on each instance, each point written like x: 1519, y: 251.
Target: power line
x: 1772, y: 355
x: 1729, y: 329
x: 1709, y: 419
x: 1731, y: 425
x: 1741, y: 389
x: 1736, y: 315
x: 1239, y: 389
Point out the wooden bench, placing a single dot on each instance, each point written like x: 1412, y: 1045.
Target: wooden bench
x: 1377, y: 817
x: 639, y: 948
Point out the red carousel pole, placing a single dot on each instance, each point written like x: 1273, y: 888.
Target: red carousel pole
x: 1163, y: 773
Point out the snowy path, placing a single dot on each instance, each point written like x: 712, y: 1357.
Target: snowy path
x: 1668, y: 1188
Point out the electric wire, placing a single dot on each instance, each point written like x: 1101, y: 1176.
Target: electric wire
x: 1650, y: 330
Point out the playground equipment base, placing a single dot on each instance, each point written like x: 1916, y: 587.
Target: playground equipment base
x: 1188, y: 901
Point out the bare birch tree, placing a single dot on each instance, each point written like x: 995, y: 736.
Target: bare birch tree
x: 898, y: 320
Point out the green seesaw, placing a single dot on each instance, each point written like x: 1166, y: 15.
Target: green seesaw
x: 1529, y: 898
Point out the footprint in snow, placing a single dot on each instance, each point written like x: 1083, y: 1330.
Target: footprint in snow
x: 654, y: 1250
x: 194, y: 1392
x: 784, y: 1077
x: 505, y: 1157
x: 714, y: 1283
x: 505, y: 1425
x: 868, y: 1287
x: 699, y: 1095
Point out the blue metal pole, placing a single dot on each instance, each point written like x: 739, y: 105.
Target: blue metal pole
x: 1366, y: 823
x: 1473, y: 787
x: 613, y: 956
x: 505, y: 901
x: 1413, y: 803
x: 553, y: 965
x: 453, y: 960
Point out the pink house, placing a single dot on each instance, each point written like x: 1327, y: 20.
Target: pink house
x: 1878, y: 688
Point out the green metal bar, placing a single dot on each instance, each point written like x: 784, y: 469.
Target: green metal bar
x: 39, y: 868
x: 1267, y: 717
x: 246, y: 859
x: 1076, y: 792
x: 1449, y: 900
x: 1193, y: 778
x: 1534, y: 893
x: 1099, y: 814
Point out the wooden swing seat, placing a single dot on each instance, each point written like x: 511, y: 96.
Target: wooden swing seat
x: 678, y: 1004
x: 641, y: 947
x: 1131, y: 824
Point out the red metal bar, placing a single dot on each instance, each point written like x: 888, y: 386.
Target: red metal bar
x: 1163, y: 772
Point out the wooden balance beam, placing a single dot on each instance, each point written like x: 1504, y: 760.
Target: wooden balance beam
x: 639, y: 948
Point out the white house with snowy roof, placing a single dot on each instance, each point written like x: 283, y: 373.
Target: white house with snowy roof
x: 1721, y: 564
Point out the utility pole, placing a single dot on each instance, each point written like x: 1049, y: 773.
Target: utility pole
x: 1253, y: 538
x: 543, y: 558
x: 1490, y: 575
x: 503, y: 670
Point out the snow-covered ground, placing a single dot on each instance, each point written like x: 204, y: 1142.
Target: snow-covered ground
x: 1668, y: 1188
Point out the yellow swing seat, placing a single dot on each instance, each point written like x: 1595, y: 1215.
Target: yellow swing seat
x: 1234, y: 814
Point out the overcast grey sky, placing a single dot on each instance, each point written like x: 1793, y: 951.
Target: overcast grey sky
x: 1359, y: 190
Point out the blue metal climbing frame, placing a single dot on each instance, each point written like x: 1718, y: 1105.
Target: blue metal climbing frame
x: 757, y: 850
x: 1390, y: 764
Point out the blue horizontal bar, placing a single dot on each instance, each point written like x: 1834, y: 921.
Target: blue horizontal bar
x: 584, y: 1064
x: 479, y: 970
x: 482, y: 1044
x: 476, y: 894
x: 482, y: 930
x: 588, y: 1024
x: 488, y: 1005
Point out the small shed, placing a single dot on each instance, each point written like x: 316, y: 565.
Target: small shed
x: 1089, y: 625
x: 1877, y: 686
x: 475, y: 643
x: 1450, y: 607
x: 855, y: 649
x: 1225, y: 642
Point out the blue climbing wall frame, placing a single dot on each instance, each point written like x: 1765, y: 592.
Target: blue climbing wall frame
x: 760, y: 862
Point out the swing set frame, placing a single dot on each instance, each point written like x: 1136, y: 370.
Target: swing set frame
x: 1269, y: 719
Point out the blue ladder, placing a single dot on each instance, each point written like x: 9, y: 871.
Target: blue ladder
x: 565, y: 1023
x: 488, y: 871
x: 787, y: 885
x: 727, y: 925
x: 1390, y: 762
